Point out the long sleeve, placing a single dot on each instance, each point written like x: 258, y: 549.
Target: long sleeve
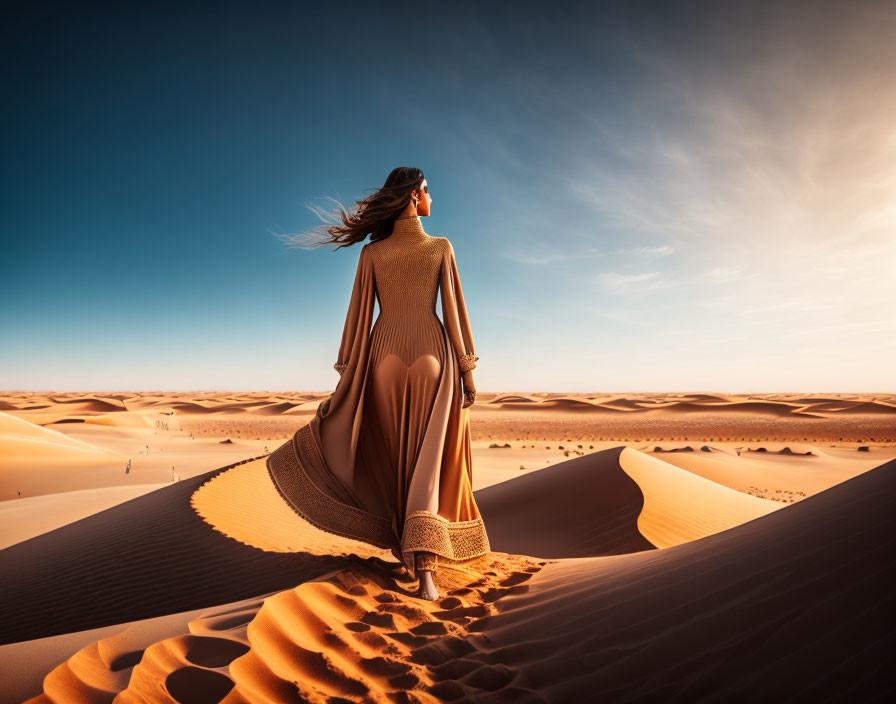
x: 360, y: 311
x: 454, y: 312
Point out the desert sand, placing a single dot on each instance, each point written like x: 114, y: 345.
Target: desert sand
x: 645, y: 547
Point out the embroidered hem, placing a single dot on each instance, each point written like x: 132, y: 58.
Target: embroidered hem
x: 453, y: 541
x: 428, y: 561
x: 316, y: 507
x: 424, y: 532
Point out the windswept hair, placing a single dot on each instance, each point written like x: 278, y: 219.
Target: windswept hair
x: 375, y: 215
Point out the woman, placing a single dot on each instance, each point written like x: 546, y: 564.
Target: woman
x: 387, y: 459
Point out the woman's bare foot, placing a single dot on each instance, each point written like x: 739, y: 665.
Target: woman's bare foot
x: 427, y: 586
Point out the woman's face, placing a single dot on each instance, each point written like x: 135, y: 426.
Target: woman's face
x: 425, y: 201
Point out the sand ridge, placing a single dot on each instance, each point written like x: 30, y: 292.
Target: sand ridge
x: 680, y: 506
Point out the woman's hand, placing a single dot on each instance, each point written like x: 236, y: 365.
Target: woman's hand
x: 469, y: 389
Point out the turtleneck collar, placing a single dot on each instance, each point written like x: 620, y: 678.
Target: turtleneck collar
x: 409, y: 228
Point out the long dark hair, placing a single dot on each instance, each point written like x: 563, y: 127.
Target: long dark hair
x: 376, y: 214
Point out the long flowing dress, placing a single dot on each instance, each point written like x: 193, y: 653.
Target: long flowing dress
x: 387, y: 457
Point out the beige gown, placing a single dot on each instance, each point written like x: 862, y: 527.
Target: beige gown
x: 387, y: 459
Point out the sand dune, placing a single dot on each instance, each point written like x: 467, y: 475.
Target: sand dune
x: 354, y: 629
x: 792, y: 606
x: 101, y: 658
x: 761, y: 407
x: 192, y: 407
x: 650, y: 552
x: 508, y: 630
x: 149, y: 556
x: 533, y: 403
x: 226, y: 536
x: 355, y: 632
x: 583, y: 507
x: 17, y: 431
x: 186, y: 521
x: 139, y: 421
x: 693, y: 403
x: 90, y: 404
x: 26, y: 518
x: 27, y: 449
x: 160, y: 554
x: 512, y: 399
x: 624, y: 403
x: 590, y: 417
x: 773, y: 474
x: 574, y: 405
x: 680, y: 506
x: 305, y: 407
x: 59, y: 415
x: 243, y: 504
x: 232, y: 407
x: 276, y: 408
x: 610, y: 502
x: 870, y: 407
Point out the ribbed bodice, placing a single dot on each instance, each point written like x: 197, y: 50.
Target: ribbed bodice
x: 407, y: 265
x: 407, y: 268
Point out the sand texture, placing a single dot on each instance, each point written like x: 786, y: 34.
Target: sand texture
x: 645, y: 548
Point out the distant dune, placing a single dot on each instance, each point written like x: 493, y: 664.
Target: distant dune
x: 276, y: 408
x: 27, y: 450
x: 90, y: 405
x: 514, y: 398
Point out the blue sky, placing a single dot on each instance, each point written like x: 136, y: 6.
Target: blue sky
x: 641, y: 196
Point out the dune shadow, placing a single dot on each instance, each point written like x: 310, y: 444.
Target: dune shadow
x: 583, y: 507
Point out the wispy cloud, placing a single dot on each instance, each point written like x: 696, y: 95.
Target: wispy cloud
x: 647, y: 251
x: 633, y: 283
x: 863, y: 327
x: 529, y: 256
x: 626, y: 317
x: 724, y: 275
x: 797, y: 304
x: 539, y: 259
